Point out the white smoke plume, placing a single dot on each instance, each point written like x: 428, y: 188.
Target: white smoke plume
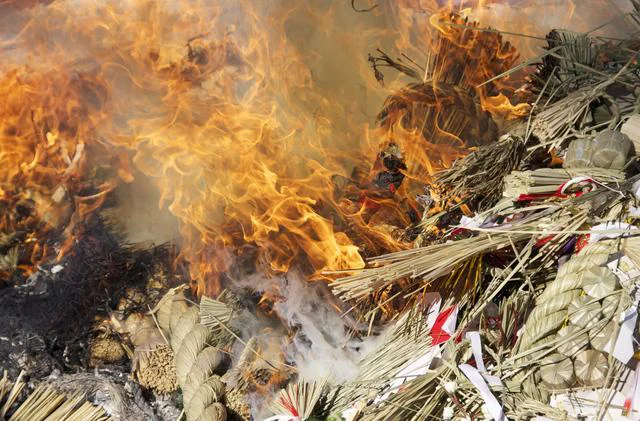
x: 323, y: 346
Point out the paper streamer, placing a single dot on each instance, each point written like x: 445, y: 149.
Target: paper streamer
x: 419, y: 366
x: 598, y: 232
x: 445, y: 325
x: 493, y: 405
x: 476, y: 347
x: 623, y: 349
x: 282, y: 418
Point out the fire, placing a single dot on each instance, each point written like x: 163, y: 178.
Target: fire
x: 253, y: 138
x: 50, y: 180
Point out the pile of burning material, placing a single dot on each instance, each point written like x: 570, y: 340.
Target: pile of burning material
x: 534, y: 293
x: 480, y: 262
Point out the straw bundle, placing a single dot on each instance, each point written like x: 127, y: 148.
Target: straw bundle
x: 551, y: 180
x: 591, y: 367
x: 557, y: 372
x: 45, y: 403
x: 298, y: 399
x: 603, y: 339
x: 554, y: 123
x: 569, y: 318
x: 576, y: 340
x: 584, y: 312
x: 477, y: 177
x: 575, y: 49
x: 425, y: 264
x: 197, y: 363
x: 213, y: 312
x: 215, y: 315
x: 153, y: 362
x: 9, y: 392
x: 444, y: 114
x: 406, y: 342
x: 419, y: 399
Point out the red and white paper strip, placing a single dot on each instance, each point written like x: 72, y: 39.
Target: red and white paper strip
x: 445, y: 325
x: 420, y: 365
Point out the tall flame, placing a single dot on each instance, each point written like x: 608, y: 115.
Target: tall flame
x: 254, y: 127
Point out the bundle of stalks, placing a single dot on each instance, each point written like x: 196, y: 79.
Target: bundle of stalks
x: 153, y: 362
x: 576, y: 49
x: 457, y: 47
x: 45, y: 403
x: 550, y: 180
x: 420, y: 399
x: 406, y: 343
x: 443, y: 104
x: 569, y: 53
x: 477, y: 177
x: 298, y: 399
x: 9, y: 392
x: 197, y: 363
x: 444, y: 114
x: 215, y: 314
x: 236, y: 375
x: 423, y: 265
x: 557, y: 121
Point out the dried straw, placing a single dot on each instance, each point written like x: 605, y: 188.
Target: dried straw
x: 44, y: 403
x: 298, y: 399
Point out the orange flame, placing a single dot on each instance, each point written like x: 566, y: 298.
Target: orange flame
x: 245, y: 129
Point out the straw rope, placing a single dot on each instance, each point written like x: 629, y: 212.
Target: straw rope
x: 566, y: 312
x: 197, y: 363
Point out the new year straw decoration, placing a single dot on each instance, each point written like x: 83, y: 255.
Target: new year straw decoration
x: 298, y: 399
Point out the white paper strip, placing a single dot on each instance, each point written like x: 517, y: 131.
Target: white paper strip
x: 476, y: 347
x: 415, y: 369
x: 282, y: 418
x: 635, y: 397
x: 434, y: 310
x: 449, y: 325
x: 623, y: 350
x: 598, y: 232
x: 420, y: 365
x: 493, y: 405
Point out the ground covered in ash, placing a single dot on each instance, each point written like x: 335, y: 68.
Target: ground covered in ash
x: 50, y: 320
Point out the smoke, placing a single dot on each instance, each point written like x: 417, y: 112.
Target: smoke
x: 536, y: 18
x: 137, y: 216
x: 322, y: 345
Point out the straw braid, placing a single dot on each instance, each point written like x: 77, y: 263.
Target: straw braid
x: 569, y: 307
x: 196, y: 361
